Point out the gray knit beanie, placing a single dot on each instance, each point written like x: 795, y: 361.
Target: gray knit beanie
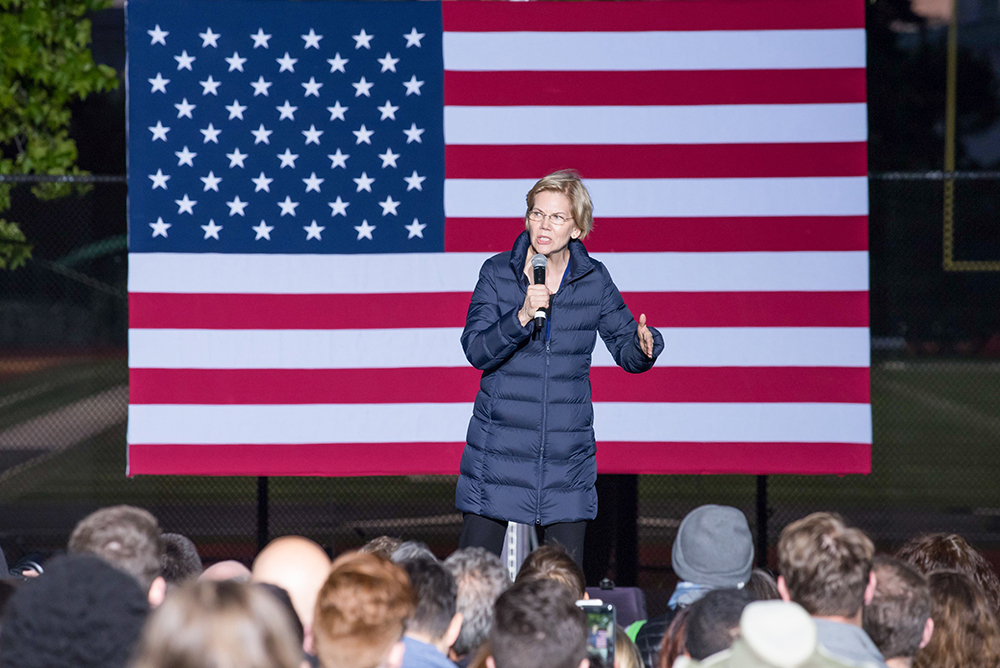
x: 714, y: 547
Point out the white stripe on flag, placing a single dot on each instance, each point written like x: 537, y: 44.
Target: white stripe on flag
x: 208, y: 273
x: 645, y: 51
x: 393, y: 423
x: 441, y: 347
x: 695, y: 124
x: 643, y: 198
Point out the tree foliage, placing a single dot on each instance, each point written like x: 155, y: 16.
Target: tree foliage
x: 45, y: 66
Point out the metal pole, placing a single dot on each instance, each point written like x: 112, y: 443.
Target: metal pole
x: 762, y: 513
x: 262, y: 512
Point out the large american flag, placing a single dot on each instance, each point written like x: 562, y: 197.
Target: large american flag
x: 313, y: 187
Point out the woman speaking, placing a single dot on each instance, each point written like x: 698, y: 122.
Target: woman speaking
x: 530, y: 454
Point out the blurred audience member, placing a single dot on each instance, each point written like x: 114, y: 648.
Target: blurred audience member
x: 282, y: 597
x: 227, y: 624
x: 674, y: 641
x: 435, y: 625
x: 299, y: 566
x: 361, y: 611
x: 481, y: 578
x: 713, y: 622
x: 965, y: 628
x: 826, y: 567
x: 412, y: 549
x: 538, y: 625
x: 82, y: 613
x: 129, y: 539
x: 713, y: 550
x: 226, y: 570
x: 898, y: 620
x: 626, y: 653
x: 763, y: 586
x: 937, y: 551
x: 383, y: 546
x: 180, y: 561
x: 552, y: 562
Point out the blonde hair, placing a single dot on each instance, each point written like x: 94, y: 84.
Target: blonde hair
x: 566, y: 182
x: 626, y: 653
x: 361, y: 611
x: 209, y: 624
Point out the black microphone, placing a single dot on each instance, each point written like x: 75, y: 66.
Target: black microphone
x: 538, y: 262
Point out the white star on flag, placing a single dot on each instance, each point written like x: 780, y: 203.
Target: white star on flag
x: 388, y: 206
x: 337, y: 111
x: 263, y: 231
x: 413, y: 134
x: 287, y: 111
x: 287, y: 63
x: 262, y: 183
x: 159, y: 131
x: 185, y: 205
x: 209, y: 38
x: 236, y: 206
x: 288, y: 206
x: 211, y: 182
x: 362, y: 39
x: 159, y: 179
x: 364, y: 135
x: 236, y: 158
x: 260, y: 39
x: 236, y: 110
x: 339, y: 159
x: 388, y: 63
x: 312, y: 39
x: 261, y: 135
x: 337, y: 63
x: 338, y: 206
x: 413, y: 86
x: 159, y: 37
x: 312, y: 135
x: 416, y: 229
x: 312, y: 87
x: 211, y: 230
x: 210, y: 86
x: 413, y: 39
x: 362, y: 87
x: 364, y: 230
x: 388, y: 111
x: 313, y: 231
x: 235, y: 62
x: 159, y: 228
x: 364, y: 182
x: 414, y: 181
x: 211, y: 134
x: 184, y: 109
x: 288, y: 159
x: 260, y: 86
x: 159, y: 83
x: 313, y: 182
x: 388, y: 158
x: 185, y: 157
x: 184, y: 61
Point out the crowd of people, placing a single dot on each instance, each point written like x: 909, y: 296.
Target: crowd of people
x: 126, y: 595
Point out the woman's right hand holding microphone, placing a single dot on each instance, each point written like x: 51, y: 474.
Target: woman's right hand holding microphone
x: 537, y: 297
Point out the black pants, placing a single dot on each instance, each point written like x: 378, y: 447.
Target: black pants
x: 488, y: 533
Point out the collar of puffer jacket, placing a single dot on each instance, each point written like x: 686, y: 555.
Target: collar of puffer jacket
x: 580, y: 263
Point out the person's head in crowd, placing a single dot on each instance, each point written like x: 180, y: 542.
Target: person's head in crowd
x: 128, y: 538
x: 713, y: 550
x: 713, y: 622
x: 626, y: 653
x: 299, y: 566
x: 82, y: 613
x: 965, y: 629
x: 826, y: 567
x: 435, y: 621
x: 937, y: 551
x: 763, y: 586
x: 282, y: 597
x: 412, y: 549
x: 180, y: 561
x: 552, y: 562
x: 219, y: 624
x: 383, y: 546
x: 674, y: 639
x: 481, y: 577
x: 538, y: 625
x: 898, y: 620
x: 361, y: 612
x: 228, y: 569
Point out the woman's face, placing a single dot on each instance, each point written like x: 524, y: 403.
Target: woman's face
x: 554, y: 227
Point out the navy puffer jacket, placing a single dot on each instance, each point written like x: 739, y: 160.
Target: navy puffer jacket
x: 530, y: 451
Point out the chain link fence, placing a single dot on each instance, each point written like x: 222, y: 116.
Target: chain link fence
x: 935, y: 396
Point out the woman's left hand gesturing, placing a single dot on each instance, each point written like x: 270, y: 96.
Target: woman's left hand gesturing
x: 645, y: 337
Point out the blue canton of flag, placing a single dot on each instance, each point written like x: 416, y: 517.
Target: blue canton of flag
x: 273, y: 131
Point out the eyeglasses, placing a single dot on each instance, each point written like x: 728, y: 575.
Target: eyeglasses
x: 537, y: 216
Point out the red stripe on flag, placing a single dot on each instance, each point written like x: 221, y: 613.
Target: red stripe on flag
x: 356, y: 459
x: 448, y: 309
x: 680, y: 235
x: 643, y: 16
x: 459, y: 384
x: 663, y: 161
x: 675, y: 87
